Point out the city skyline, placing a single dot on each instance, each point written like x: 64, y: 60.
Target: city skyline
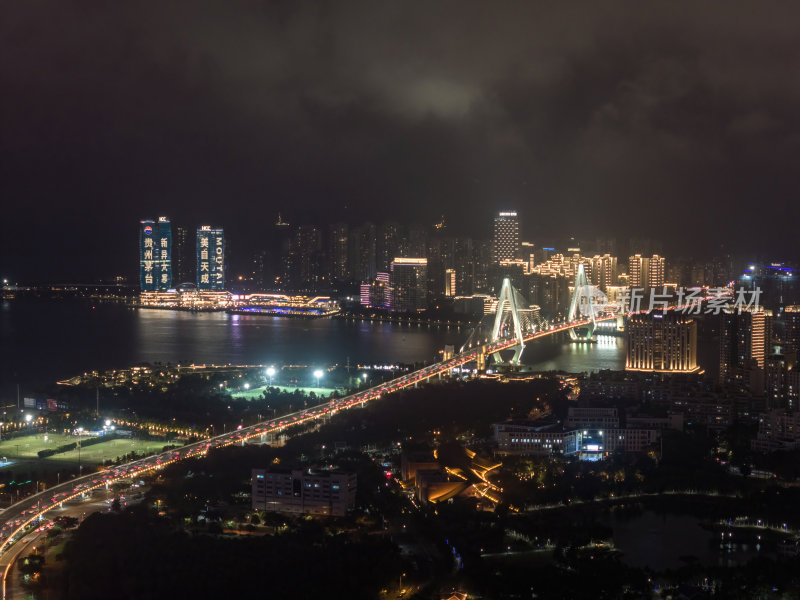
x: 582, y: 120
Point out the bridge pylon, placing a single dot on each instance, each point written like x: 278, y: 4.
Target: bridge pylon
x: 581, y: 302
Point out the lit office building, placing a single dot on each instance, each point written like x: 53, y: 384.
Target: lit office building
x: 506, y: 244
x: 303, y: 492
x: 210, y: 258
x: 155, y: 255
x: 409, y: 279
x: 661, y: 342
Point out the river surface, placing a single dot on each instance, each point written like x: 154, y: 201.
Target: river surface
x: 670, y: 541
x: 45, y: 340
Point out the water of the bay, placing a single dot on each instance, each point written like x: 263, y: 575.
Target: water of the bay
x: 42, y: 341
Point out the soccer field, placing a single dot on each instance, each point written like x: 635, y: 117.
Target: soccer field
x: 29, y: 446
x: 111, y: 449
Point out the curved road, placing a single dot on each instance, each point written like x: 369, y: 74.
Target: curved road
x: 19, y: 517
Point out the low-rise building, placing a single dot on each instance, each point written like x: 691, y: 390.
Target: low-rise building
x: 777, y: 430
x: 551, y: 440
x: 303, y: 492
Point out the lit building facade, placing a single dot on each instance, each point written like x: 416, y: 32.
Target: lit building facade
x: 530, y: 439
x: 155, y: 255
x: 646, y: 272
x: 303, y: 492
x: 377, y: 294
x: 409, y: 279
x: 210, y: 252
x: 506, y: 244
x: 450, y: 282
x: 661, y: 342
x: 745, y: 343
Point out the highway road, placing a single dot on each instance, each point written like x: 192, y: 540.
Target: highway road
x: 18, y: 520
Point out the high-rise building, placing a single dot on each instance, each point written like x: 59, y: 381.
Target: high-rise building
x: 450, y: 282
x: 464, y: 265
x: 155, y: 255
x: 506, y: 237
x: 305, y: 259
x: 745, y: 344
x: 791, y: 328
x: 646, y: 272
x: 603, y: 271
x: 210, y: 258
x: 377, y: 294
x: 661, y: 342
x: 363, y: 248
x: 182, y: 256
x: 638, y: 267
x: 409, y: 279
x: 388, y: 246
x: 339, y: 253
x: 655, y: 272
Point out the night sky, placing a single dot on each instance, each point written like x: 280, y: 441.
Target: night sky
x: 677, y: 121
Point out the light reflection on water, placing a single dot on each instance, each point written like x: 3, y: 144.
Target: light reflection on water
x: 44, y: 341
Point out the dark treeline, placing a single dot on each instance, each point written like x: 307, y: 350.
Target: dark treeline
x: 135, y: 556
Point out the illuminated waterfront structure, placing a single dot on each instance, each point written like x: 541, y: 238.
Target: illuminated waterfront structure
x: 210, y: 258
x: 506, y: 245
x: 409, y: 279
x: 155, y: 255
x: 661, y: 342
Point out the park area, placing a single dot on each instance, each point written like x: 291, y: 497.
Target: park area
x: 257, y: 393
x: 30, y: 445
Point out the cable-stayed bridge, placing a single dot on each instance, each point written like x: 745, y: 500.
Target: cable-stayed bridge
x: 511, y: 326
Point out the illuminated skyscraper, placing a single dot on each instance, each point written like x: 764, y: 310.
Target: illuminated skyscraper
x: 603, y: 271
x: 155, y: 255
x: 745, y: 344
x: 182, y: 255
x: 655, y: 272
x: 409, y: 280
x: 661, y: 342
x: 506, y: 237
x: 644, y: 272
x: 450, y: 282
x: 210, y: 258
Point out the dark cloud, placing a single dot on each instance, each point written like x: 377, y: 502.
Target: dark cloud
x: 667, y: 120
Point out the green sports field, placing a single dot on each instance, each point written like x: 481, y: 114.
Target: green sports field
x: 29, y: 446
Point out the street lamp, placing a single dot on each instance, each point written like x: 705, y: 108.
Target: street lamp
x: 28, y: 418
x: 318, y: 375
x: 270, y: 374
x: 80, y: 466
x: 364, y: 376
x: 247, y: 386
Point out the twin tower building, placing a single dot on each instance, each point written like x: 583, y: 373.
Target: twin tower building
x: 162, y: 256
